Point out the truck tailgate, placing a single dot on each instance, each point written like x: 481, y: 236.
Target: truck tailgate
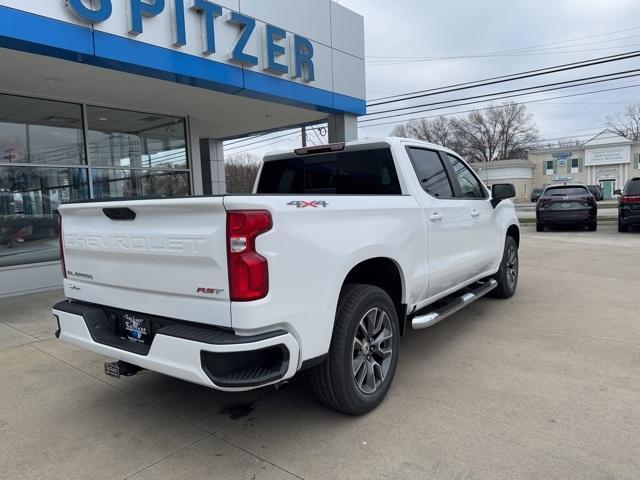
x: 170, y: 260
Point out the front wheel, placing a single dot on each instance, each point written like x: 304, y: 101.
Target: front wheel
x: 507, y: 276
x: 363, y: 354
x: 592, y: 226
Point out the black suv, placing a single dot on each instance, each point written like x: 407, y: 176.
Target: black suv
x: 629, y: 205
x: 567, y: 205
x: 596, y: 191
x: 535, y: 194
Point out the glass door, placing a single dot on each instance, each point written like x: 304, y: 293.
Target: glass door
x: 608, y: 186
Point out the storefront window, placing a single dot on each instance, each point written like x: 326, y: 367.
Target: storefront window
x: 44, y: 163
x: 29, y: 198
x: 119, y: 138
x: 40, y: 132
x: 41, y: 143
x: 108, y: 183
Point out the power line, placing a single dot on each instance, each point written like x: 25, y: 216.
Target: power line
x: 476, y: 98
x: 506, y: 78
x: 523, y: 54
x: 512, y: 91
x: 271, y: 143
x: 487, y: 108
x: 260, y: 141
x: 289, y: 132
x: 575, y: 39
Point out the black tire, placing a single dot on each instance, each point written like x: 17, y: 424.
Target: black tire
x: 334, y: 381
x: 622, y: 227
x: 507, y: 276
x: 592, y: 226
x: 539, y: 227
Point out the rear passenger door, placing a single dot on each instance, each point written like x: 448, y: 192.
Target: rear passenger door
x: 448, y: 220
x: 483, y: 243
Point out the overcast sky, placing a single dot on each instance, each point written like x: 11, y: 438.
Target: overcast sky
x: 523, y: 35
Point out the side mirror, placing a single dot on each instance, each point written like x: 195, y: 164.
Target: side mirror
x: 617, y: 192
x: 500, y: 192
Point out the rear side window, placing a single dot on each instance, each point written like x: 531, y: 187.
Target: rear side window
x: 431, y: 172
x: 633, y: 188
x: 565, y: 191
x: 365, y: 172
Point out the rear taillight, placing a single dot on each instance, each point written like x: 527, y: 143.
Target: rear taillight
x: 248, y: 271
x: 630, y: 199
x: 62, y: 264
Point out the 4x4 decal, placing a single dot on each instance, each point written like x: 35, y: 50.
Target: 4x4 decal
x: 312, y: 204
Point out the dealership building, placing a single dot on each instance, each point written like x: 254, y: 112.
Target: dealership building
x: 126, y: 98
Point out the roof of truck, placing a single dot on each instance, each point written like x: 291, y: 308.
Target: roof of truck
x: 380, y: 141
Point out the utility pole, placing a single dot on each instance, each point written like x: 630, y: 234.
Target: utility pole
x: 304, y: 137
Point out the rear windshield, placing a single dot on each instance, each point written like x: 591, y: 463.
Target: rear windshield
x: 633, y: 188
x: 365, y: 172
x: 565, y: 191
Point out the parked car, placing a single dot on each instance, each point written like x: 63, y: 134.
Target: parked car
x: 561, y: 205
x: 596, y: 191
x: 339, y: 250
x: 629, y: 205
x: 535, y: 194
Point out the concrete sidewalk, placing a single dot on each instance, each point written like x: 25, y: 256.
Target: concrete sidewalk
x: 545, y: 385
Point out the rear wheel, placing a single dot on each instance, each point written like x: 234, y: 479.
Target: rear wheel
x: 593, y: 226
x: 507, y: 276
x: 363, y: 355
x: 539, y: 227
x: 622, y: 227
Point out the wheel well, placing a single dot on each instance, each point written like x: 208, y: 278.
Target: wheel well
x: 514, y: 231
x: 385, y: 274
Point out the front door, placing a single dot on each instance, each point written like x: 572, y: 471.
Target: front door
x: 608, y: 187
x: 449, y: 223
x: 487, y: 244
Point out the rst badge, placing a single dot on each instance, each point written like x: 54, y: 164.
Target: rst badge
x: 209, y: 291
x: 312, y: 204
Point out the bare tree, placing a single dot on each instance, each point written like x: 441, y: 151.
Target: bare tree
x: 626, y: 123
x: 479, y: 134
x: 496, y: 133
x: 518, y: 132
x: 439, y: 130
x: 241, y: 172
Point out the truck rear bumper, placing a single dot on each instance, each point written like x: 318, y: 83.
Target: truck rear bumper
x: 216, y: 359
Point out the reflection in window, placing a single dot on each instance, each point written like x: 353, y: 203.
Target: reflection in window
x: 119, y: 138
x: 431, y: 172
x: 111, y: 183
x: 40, y: 132
x: 469, y: 185
x: 29, y: 196
x: 43, y: 164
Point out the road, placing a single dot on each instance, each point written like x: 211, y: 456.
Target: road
x: 545, y: 385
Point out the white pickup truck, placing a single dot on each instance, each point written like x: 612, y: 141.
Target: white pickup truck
x: 339, y: 249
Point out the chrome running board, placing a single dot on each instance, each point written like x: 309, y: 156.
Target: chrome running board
x: 455, y: 305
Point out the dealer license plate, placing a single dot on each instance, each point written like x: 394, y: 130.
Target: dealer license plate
x: 136, y: 328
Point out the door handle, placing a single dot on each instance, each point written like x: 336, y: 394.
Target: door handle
x: 435, y: 217
x: 475, y: 213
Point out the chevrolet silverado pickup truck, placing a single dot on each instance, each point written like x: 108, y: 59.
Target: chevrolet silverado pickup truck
x: 337, y: 252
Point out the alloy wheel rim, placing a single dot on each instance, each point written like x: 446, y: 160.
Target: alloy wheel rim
x: 512, y: 267
x: 372, y: 350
